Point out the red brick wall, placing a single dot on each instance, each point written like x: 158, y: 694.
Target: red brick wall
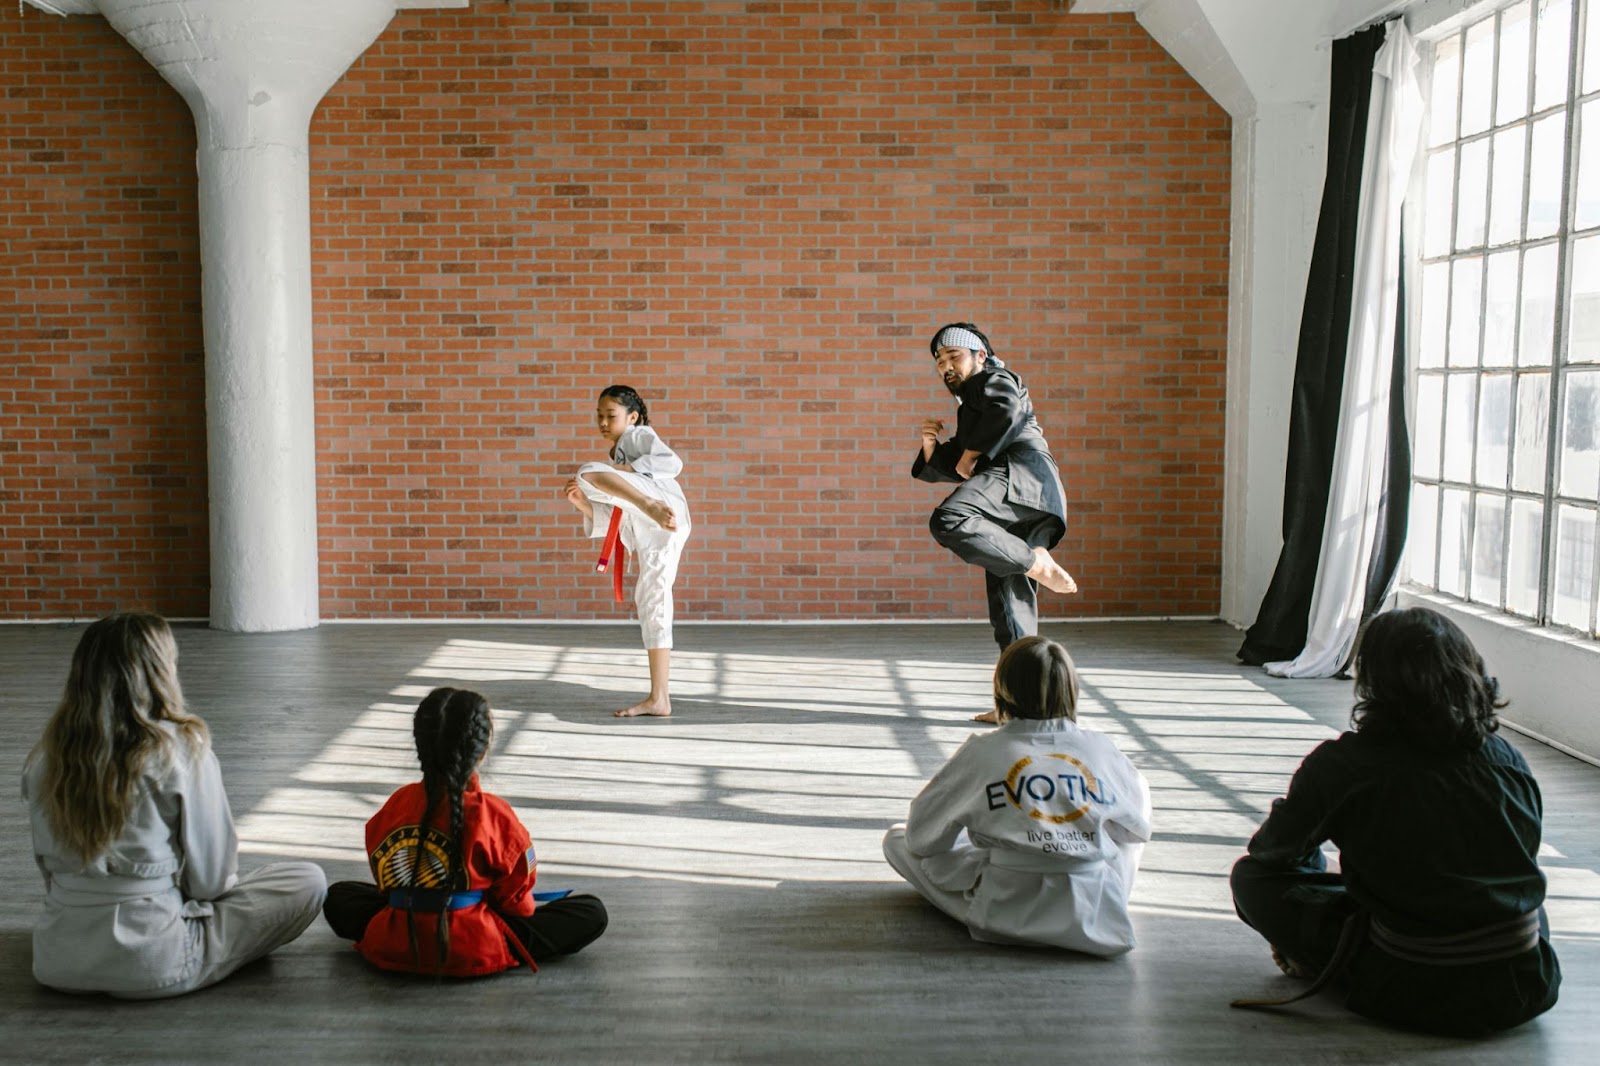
x: 755, y: 213
x: 102, y: 388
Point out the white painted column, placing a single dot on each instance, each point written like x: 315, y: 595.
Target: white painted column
x: 252, y: 72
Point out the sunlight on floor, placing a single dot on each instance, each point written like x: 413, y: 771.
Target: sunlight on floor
x: 785, y: 768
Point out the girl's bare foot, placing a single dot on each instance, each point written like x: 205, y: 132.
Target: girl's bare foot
x: 992, y: 717
x: 1047, y: 572
x: 647, y: 709
x: 661, y: 514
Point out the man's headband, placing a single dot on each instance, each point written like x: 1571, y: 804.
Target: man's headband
x: 956, y: 337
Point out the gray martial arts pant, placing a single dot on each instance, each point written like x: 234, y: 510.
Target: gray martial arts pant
x: 985, y: 528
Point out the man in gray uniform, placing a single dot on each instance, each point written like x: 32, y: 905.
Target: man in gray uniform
x: 1010, y: 509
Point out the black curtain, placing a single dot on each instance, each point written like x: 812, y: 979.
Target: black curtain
x: 1279, y: 631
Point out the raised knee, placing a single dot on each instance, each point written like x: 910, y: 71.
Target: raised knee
x: 944, y: 522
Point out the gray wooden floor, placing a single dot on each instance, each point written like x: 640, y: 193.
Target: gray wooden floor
x: 737, y: 847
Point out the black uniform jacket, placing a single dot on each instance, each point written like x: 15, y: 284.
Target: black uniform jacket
x: 1430, y: 844
x: 995, y: 417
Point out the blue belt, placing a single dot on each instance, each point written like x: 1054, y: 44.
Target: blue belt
x: 433, y: 899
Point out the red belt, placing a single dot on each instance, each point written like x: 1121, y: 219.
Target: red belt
x: 612, y: 551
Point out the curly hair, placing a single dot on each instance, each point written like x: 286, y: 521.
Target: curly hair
x: 1419, y: 678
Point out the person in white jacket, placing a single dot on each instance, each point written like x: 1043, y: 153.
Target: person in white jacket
x: 132, y: 832
x: 635, y: 502
x: 1031, y: 834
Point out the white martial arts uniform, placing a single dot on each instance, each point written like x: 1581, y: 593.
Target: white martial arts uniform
x: 655, y: 468
x: 1030, y: 834
x: 163, y: 910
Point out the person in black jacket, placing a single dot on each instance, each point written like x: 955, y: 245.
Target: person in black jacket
x: 1009, y: 509
x: 1435, y: 920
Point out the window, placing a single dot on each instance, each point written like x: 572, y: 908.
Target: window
x: 1505, y: 500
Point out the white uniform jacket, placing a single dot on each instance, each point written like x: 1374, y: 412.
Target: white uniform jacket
x: 1040, y: 825
x: 657, y: 467
x: 117, y: 923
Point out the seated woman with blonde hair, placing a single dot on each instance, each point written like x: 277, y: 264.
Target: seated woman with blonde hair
x: 132, y: 831
x: 1031, y: 833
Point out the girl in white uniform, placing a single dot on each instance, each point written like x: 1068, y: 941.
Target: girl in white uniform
x: 1031, y: 834
x: 641, y: 479
x: 132, y: 832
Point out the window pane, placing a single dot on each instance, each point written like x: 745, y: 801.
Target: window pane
x: 1460, y: 421
x: 1533, y: 429
x: 1466, y: 294
x: 1505, y: 204
x: 1477, y: 78
x: 1488, y: 548
x: 1544, y: 175
x: 1441, y: 202
x: 1588, y: 191
x: 1537, y: 334
x: 1500, y: 310
x: 1494, y: 430
x: 1580, y: 437
x: 1511, y: 98
x: 1472, y: 193
x: 1591, y: 55
x: 1435, y: 307
x: 1553, y: 41
x: 1583, y: 341
x: 1522, y: 559
x: 1421, y: 533
x: 1446, y: 82
x: 1453, y: 542
x: 1574, y: 568
x: 1430, y: 420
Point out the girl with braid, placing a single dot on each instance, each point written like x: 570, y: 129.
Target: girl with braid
x: 454, y: 866
x: 634, y: 502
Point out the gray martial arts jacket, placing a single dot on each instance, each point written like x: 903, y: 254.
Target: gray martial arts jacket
x: 117, y: 923
x: 996, y: 417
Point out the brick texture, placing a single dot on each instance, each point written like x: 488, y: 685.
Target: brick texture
x: 754, y: 213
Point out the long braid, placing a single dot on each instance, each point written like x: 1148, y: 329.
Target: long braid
x: 425, y: 729
x: 458, y: 727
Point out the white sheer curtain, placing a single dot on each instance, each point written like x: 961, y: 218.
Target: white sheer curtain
x: 1360, y: 455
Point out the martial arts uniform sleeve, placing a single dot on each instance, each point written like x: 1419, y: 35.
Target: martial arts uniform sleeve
x: 649, y: 455
x: 940, y: 811
x: 1131, y: 824
x: 1003, y: 413
x: 210, y: 848
x: 942, y: 467
x: 27, y: 802
x: 512, y: 891
x: 1299, y: 822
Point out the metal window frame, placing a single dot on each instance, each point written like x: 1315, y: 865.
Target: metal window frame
x: 1565, y: 237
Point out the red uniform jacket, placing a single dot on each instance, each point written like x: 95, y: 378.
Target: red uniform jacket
x: 496, y: 858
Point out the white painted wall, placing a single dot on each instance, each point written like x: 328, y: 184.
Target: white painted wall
x: 1267, y: 62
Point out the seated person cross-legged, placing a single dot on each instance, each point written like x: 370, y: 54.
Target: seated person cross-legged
x: 1436, y: 920
x: 1031, y: 834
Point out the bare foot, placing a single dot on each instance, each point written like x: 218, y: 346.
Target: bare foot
x: 647, y: 709
x: 1047, y: 572
x: 992, y: 717
x: 661, y: 514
